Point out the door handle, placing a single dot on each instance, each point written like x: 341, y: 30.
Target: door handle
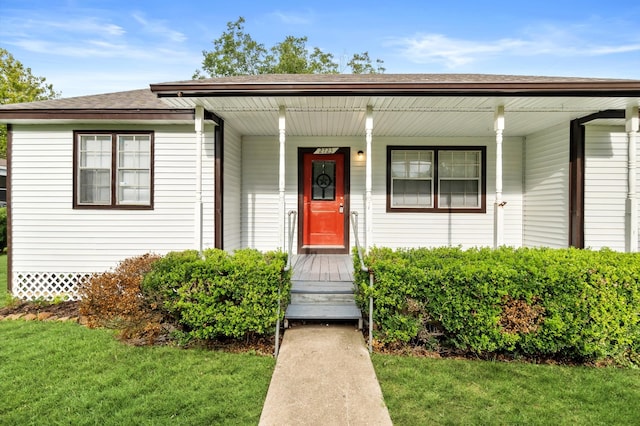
x: 341, y: 210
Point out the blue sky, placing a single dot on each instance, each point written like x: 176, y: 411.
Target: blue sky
x: 85, y: 46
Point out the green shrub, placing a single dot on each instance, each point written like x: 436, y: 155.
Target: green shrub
x: 580, y: 304
x: 221, y: 294
x: 3, y: 228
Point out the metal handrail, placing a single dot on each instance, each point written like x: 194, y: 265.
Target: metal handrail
x: 291, y: 226
x: 354, y: 226
x: 363, y: 268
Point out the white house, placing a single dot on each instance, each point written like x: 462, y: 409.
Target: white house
x: 425, y: 160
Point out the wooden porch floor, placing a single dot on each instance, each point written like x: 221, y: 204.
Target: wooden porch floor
x: 322, y: 267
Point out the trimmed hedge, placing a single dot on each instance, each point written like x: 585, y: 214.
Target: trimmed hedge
x: 222, y: 294
x: 580, y: 304
x: 3, y: 228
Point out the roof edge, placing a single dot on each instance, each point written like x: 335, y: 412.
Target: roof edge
x: 103, y: 114
x: 625, y: 88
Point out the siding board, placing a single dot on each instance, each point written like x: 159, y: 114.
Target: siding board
x: 546, y: 194
x: 232, y: 189
x: 605, y: 187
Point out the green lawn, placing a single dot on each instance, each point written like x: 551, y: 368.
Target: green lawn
x: 422, y: 391
x: 62, y: 373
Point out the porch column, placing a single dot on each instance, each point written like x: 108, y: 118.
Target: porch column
x: 632, y: 128
x: 199, y: 127
x: 368, y: 217
x: 498, y: 207
x: 281, y: 181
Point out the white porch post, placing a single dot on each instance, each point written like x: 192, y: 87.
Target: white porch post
x: 281, y: 180
x: 368, y: 217
x: 632, y: 128
x: 199, y: 127
x: 498, y: 207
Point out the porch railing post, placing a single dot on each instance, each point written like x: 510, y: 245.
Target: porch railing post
x: 632, y: 124
x: 281, y: 179
x: 199, y: 128
x: 368, y: 213
x: 498, y: 225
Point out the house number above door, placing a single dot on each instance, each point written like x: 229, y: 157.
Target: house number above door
x: 326, y: 151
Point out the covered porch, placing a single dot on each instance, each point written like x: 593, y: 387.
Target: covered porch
x: 519, y: 120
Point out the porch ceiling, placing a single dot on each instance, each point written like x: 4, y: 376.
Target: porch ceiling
x: 404, y: 116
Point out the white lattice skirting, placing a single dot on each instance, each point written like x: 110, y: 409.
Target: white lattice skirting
x: 47, y: 285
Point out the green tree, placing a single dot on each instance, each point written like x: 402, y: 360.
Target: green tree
x: 18, y: 84
x: 291, y: 56
x: 360, y: 63
x: 236, y: 53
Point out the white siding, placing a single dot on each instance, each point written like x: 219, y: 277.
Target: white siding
x: 50, y: 236
x: 232, y: 189
x: 260, y: 194
x: 605, y: 187
x: 546, y: 198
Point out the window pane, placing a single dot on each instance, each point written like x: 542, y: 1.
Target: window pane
x: 411, y: 193
x: 128, y: 159
x: 411, y: 163
x: 323, y: 179
x: 459, y: 164
x: 94, y: 174
x: 95, y: 187
x: 459, y: 193
x: 133, y: 187
x: 472, y: 171
x: 398, y: 168
x: 134, y: 169
x: 95, y: 151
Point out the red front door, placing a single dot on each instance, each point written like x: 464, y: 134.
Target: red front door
x: 324, y: 198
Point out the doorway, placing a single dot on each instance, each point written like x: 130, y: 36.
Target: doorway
x: 323, y: 200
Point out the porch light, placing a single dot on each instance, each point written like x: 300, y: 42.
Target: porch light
x: 360, y: 155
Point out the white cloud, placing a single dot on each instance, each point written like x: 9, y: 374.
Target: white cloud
x: 452, y: 52
x: 76, y: 25
x: 547, y: 41
x: 92, y: 37
x: 292, y: 18
x: 159, y: 28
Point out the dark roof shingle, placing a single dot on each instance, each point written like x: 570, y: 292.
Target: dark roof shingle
x: 132, y: 99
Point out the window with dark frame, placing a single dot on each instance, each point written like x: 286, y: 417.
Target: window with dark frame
x: 436, y: 179
x: 113, y: 170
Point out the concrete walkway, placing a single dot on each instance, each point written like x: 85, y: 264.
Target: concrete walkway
x: 324, y: 376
